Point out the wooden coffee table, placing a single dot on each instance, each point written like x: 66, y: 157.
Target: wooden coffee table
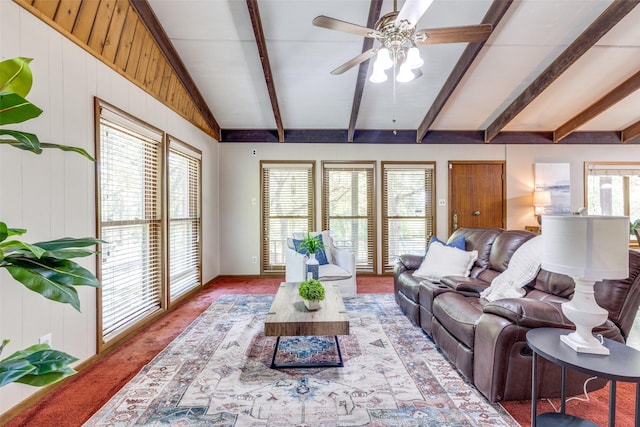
x: 289, y: 317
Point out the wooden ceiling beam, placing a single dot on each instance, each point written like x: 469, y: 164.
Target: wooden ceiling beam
x: 493, y: 16
x: 256, y: 23
x: 150, y: 21
x: 631, y: 132
x: 607, y: 20
x: 616, y: 95
x: 374, y: 15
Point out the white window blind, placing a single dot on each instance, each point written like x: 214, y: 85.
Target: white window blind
x: 348, y: 209
x: 408, y: 209
x: 287, y: 207
x: 129, y: 186
x: 184, y: 219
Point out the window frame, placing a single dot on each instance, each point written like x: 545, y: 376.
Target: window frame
x: 266, y: 267
x: 124, y: 119
x: 194, y: 155
x: 430, y: 209
x: 618, y: 166
x: 369, y: 166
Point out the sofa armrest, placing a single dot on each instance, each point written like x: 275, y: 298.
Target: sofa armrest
x: 411, y: 262
x: 464, y: 284
x: 344, y: 259
x: 529, y: 313
x: 294, y: 265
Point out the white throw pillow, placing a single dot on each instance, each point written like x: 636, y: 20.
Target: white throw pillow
x: 523, y: 268
x: 442, y: 260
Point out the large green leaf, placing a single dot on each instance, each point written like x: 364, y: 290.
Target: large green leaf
x: 68, y: 242
x: 16, y: 109
x: 6, y: 231
x: 12, y: 370
x: 23, y: 140
x: 49, y: 360
x: 68, y: 148
x: 15, y: 76
x: 69, y: 253
x: 46, y: 287
x: 46, y: 379
x: 52, y: 278
x: 37, y: 365
x: 12, y: 245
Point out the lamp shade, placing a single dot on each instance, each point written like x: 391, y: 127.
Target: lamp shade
x: 541, y: 198
x: 589, y: 247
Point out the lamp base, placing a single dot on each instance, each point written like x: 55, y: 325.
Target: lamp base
x: 576, y: 342
x: 586, y: 314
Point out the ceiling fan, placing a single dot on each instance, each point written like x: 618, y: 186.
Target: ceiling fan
x: 398, y: 37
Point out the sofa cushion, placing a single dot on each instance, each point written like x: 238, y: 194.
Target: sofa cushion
x: 479, y: 239
x: 332, y: 272
x: 442, y: 260
x: 523, y: 268
x: 505, y: 245
x: 459, y: 315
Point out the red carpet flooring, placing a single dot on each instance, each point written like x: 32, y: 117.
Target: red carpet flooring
x: 77, y: 399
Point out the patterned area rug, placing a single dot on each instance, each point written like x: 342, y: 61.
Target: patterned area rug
x: 216, y: 373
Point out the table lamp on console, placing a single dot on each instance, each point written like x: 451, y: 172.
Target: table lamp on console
x: 589, y: 249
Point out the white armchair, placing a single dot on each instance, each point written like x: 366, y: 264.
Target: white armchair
x: 341, y: 269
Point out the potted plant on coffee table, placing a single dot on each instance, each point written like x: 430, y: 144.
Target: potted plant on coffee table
x: 312, y: 292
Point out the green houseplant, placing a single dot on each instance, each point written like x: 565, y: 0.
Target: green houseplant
x: 312, y: 244
x: 312, y: 292
x: 44, y: 267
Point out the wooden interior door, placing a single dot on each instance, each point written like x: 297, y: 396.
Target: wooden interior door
x: 476, y: 194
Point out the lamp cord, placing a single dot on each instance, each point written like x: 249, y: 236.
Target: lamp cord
x: 581, y: 399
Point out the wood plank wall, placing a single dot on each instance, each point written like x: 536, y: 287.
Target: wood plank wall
x: 112, y: 31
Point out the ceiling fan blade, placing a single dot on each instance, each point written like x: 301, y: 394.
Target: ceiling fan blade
x: 355, y: 61
x: 464, y: 34
x: 412, y: 11
x: 347, y: 27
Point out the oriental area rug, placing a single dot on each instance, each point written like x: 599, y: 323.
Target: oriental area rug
x: 216, y: 373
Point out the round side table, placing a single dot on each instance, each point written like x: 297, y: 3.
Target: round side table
x: 623, y: 364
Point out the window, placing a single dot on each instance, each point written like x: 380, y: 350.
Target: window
x: 130, y: 221
x: 348, y: 209
x: 287, y: 190
x: 407, y: 209
x: 614, y: 189
x: 184, y: 219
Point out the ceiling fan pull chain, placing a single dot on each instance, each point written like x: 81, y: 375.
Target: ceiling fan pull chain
x: 393, y: 119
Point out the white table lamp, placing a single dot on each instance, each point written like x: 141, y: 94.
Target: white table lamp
x: 589, y: 249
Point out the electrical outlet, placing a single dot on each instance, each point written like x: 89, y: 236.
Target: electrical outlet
x: 254, y: 259
x: 254, y: 152
x: 46, y: 339
x: 442, y: 202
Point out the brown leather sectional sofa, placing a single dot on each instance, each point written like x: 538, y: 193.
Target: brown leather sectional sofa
x: 486, y: 340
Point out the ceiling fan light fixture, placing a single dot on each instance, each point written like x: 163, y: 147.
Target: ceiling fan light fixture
x: 378, y: 75
x: 383, y: 59
x: 405, y: 74
x: 413, y: 58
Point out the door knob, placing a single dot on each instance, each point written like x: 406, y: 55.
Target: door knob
x: 455, y: 220
x: 476, y: 213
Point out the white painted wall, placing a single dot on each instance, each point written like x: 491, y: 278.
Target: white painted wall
x: 53, y: 195
x: 240, y: 182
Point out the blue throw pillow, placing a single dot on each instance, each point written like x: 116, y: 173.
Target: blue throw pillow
x: 321, y: 256
x: 459, y: 243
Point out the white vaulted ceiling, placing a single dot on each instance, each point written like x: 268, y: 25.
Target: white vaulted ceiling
x: 216, y: 42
